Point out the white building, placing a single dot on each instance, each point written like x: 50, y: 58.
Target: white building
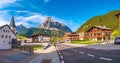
x: 40, y: 38
x: 82, y: 35
x: 6, y: 36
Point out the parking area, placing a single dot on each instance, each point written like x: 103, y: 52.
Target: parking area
x: 11, y: 56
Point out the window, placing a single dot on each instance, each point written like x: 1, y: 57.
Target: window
x: 9, y: 42
x: 9, y: 36
x: 2, y: 36
x: 3, y: 41
x: 6, y: 36
x: 3, y: 30
x: 8, y: 31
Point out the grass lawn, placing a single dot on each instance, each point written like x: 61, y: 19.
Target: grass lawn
x: 36, y: 47
x: 84, y: 42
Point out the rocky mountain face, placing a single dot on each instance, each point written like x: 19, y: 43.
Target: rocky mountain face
x: 20, y: 28
x: 53, y: 25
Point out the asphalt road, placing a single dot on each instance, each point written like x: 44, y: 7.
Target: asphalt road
x: 71, y: 54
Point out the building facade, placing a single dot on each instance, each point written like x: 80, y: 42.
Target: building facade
x: 40, y: 38
x: 82, y: 35
x: 98, y: 33
x: 6, y: 36
x: 68, y: 37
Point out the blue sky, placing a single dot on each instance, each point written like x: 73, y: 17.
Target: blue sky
x: 73, y: 13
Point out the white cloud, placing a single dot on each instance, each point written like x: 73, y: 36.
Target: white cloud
x: 32, y: 18
x: 3, y: 17
x: 6, y: 2
x: 22, y: 11
x: 46, y: 1
x: 39, y: 18
x: 36, y: 18
x: 3, y: 22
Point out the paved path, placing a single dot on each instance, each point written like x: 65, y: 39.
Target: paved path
x: 71, y: 54
x: 49, y: 53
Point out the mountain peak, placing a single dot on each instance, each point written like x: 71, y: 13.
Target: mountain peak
x: 50, y: 24
x: 20, y: 28
x: 48, y: 19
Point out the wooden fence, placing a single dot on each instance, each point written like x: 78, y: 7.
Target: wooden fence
x: 23, y: 48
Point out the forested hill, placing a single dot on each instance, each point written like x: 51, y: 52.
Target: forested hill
x: 109, y: 20
x: 33, y: 31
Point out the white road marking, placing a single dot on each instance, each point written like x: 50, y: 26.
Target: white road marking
x: 91, y: 55
x: 108, y: 59
x: 61, y: 57
x: 62, y: 61
x: 81, y: 52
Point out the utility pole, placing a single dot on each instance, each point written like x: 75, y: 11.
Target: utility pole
x: 118, y: 15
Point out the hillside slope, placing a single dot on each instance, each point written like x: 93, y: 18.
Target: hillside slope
x: 33, y: 31
x: 20, y: 28
x: 108, y: 20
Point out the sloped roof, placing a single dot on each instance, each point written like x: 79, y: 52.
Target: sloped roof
x: 100, y: 27
x: 38, y: 34
x: 8, y: 27
x: 72, y: 33
x: 117, y: 14
x: 103, y: 27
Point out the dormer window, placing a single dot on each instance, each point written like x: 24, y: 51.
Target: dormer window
x: 3, y: 30
x: 8, y: 31
x: 9, y: 36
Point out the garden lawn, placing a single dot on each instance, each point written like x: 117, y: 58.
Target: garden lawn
x: 36, y: 47
x: 84, y: 42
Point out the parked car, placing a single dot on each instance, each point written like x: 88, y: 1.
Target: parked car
x: 117, y: 40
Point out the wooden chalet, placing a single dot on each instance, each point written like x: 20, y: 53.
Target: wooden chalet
x: 68, y: 37
x: 98, y: 33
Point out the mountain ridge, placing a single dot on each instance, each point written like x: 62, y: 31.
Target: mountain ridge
x: 54, y: 25
x: 20, y: 28
x: 108, y: 20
